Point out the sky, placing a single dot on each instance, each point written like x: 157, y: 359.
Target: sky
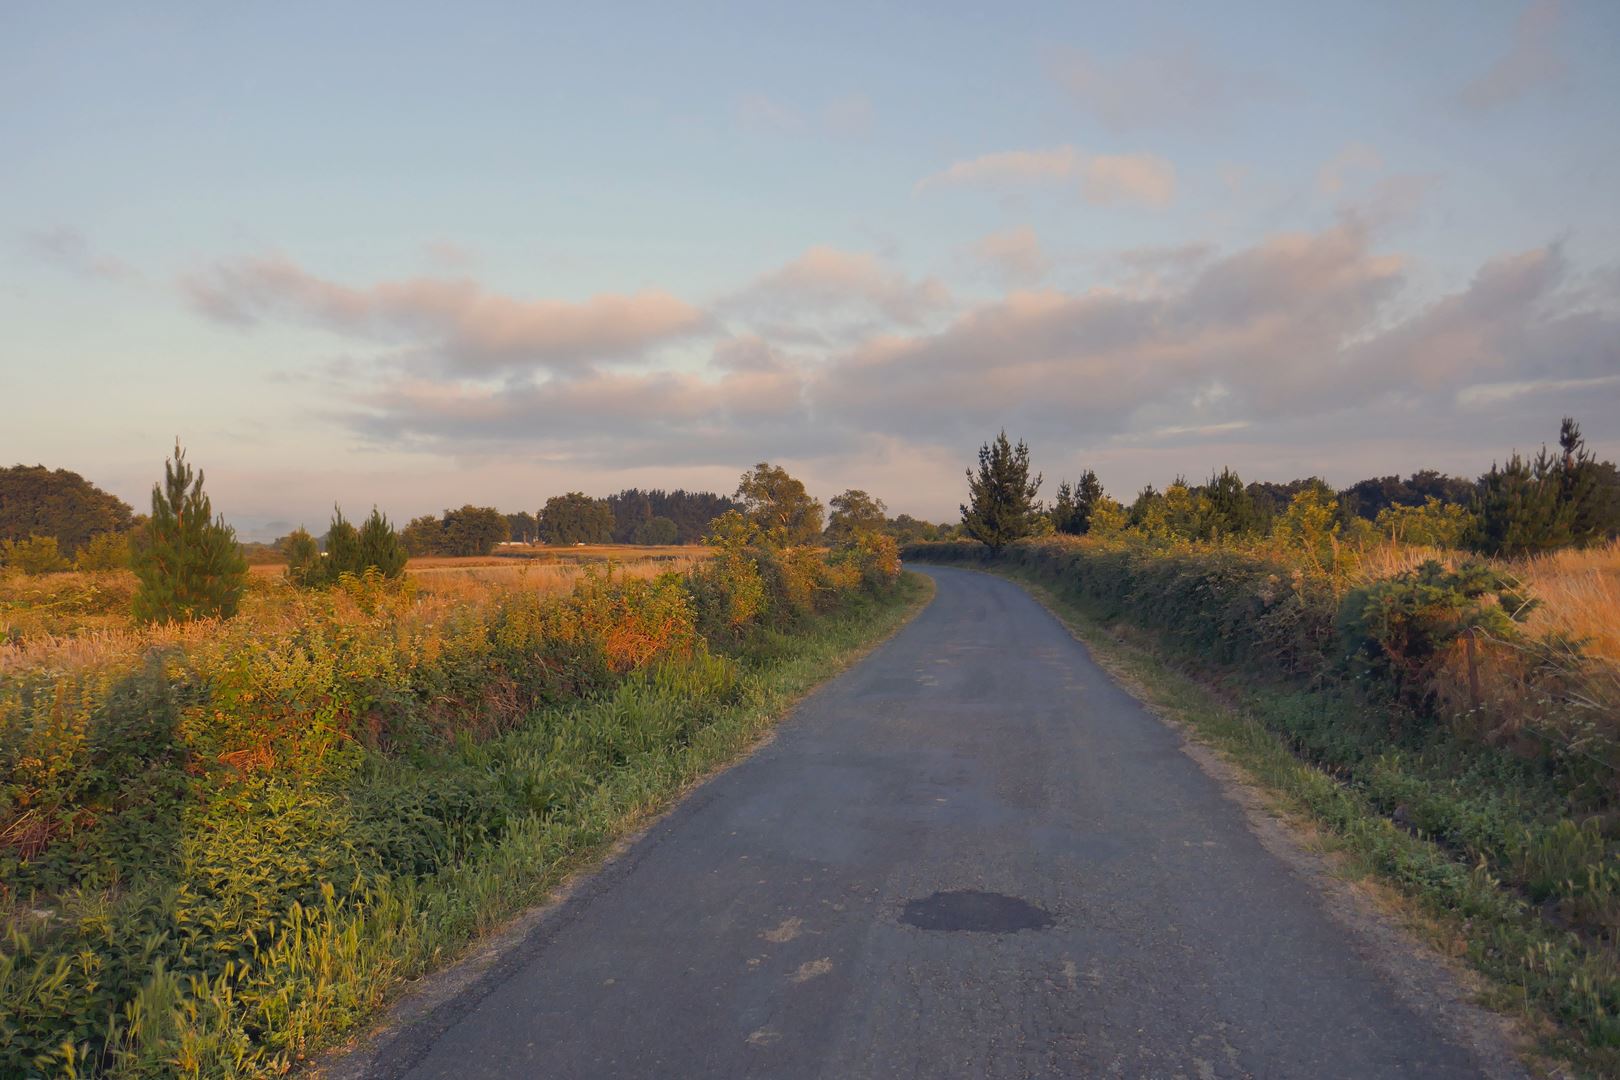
x: 416, y: 256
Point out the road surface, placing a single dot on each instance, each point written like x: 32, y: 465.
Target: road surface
x: 972, y: 855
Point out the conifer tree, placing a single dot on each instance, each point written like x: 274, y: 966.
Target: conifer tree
x: 379, y: 546
x: 190, y: 566
x: 1002, y: 506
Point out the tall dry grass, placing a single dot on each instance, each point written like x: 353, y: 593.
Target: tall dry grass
x: 80, y: 622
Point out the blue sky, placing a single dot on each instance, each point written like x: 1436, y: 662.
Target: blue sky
x: 421, y: 255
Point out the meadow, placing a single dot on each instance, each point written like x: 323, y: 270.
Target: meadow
x: 1452, y: 721
x: 224, y: 843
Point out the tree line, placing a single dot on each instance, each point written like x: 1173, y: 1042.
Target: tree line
x: 1523, y: 506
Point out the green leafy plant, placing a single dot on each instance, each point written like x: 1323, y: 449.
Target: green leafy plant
x: 189, y: 566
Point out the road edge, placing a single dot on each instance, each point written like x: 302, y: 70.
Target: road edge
x: 429, y: 1004
x: 1395, y: 938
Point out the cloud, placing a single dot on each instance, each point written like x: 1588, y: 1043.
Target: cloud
x: 837, y: 292
x: 1129, y: 178
x: 1009, y: 167
x: 1294, y: 327
x: 468, y: 328
x: 1533, y: 60
x: 1354, y: 157
x: 1014, y: 255
x: 1102, y: 178
x: 67, y: 248
x: 1274, y: 357
x: 1171, y: 86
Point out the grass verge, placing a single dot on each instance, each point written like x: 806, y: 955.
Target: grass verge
x: 365, y: 961
x: 1557, y: 984
x: 294, y: 906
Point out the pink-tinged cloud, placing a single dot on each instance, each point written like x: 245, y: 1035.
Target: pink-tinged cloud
x: 826, y: 282
x: 1103, y: 179
x: 472, y: 329
x: 1014, y: 255
x: 1533, y: 60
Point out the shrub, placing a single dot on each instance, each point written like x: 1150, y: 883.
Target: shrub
x: 104, y: 551
x: 35, y: 555
x: 189, y: 567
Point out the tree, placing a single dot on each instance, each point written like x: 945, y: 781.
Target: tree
x: 855, y: 512
x: 1519, y: 509
x: 35, y: 555
x: 105, y: 551
x: 576, y: 518
x: 373, y: 546
x: 35, y: 501
x: 379, y: 547
x: 656, y: 532
x: 424, y: 536
x: 779, y: 505
x: 1001, y: 498
x: 522, y: 527
x: 303, y: 554
x: 1071, y: 513
x: 189, y: 566
x: 472, y: 530
x: 1226, y: 508
x: 1588, y: 487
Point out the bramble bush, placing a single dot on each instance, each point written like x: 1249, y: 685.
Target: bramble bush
x: 212, y: 860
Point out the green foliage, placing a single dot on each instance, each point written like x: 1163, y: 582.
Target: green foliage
x: 522, y: 527
x: 1468, y: 825
x: 303, y: 553
x: 656, y: 532
x: 1520, y: 509
x: 472, y: 530
x: 379, y: 547
x: 189, y: 566
x: 35, y: 501
x: 576, y: 518
x: 1225, y: 509
x: 217, y: 863
x: 374, y: 547
x: 104, y: 551
x: 691, y: 511
x: 1433, y: 524
x: 1402, y: 627
x: 779, y: 505
x: 855, y: 512
x: 1589, y: 487
x: 1001, y: 506
x: 35, y: 555
x: 1071, y: 512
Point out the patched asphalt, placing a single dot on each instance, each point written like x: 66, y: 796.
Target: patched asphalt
x: 971, y: 855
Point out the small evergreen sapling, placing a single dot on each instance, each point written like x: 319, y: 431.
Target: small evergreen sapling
x: 190, y: 566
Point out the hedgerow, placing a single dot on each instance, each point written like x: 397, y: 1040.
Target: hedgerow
x: 214, y: 859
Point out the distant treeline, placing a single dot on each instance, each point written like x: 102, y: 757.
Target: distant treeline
x: 1525, y: 505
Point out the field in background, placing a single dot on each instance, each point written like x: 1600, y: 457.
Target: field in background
x: 72, y: 619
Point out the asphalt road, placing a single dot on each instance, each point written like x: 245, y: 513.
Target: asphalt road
x: 972, y: 855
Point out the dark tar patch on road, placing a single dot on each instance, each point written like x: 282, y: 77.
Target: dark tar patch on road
x: 974, y: 911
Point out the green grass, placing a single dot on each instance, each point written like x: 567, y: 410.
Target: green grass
x: 1564, y: 986
x: 301, y: 909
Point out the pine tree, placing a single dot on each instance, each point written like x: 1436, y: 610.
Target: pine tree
x: 1002, y: 506
x: 380, y: 547
x: 190, y: 566
x: 1071, y: 513
x: 1519, y: 509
